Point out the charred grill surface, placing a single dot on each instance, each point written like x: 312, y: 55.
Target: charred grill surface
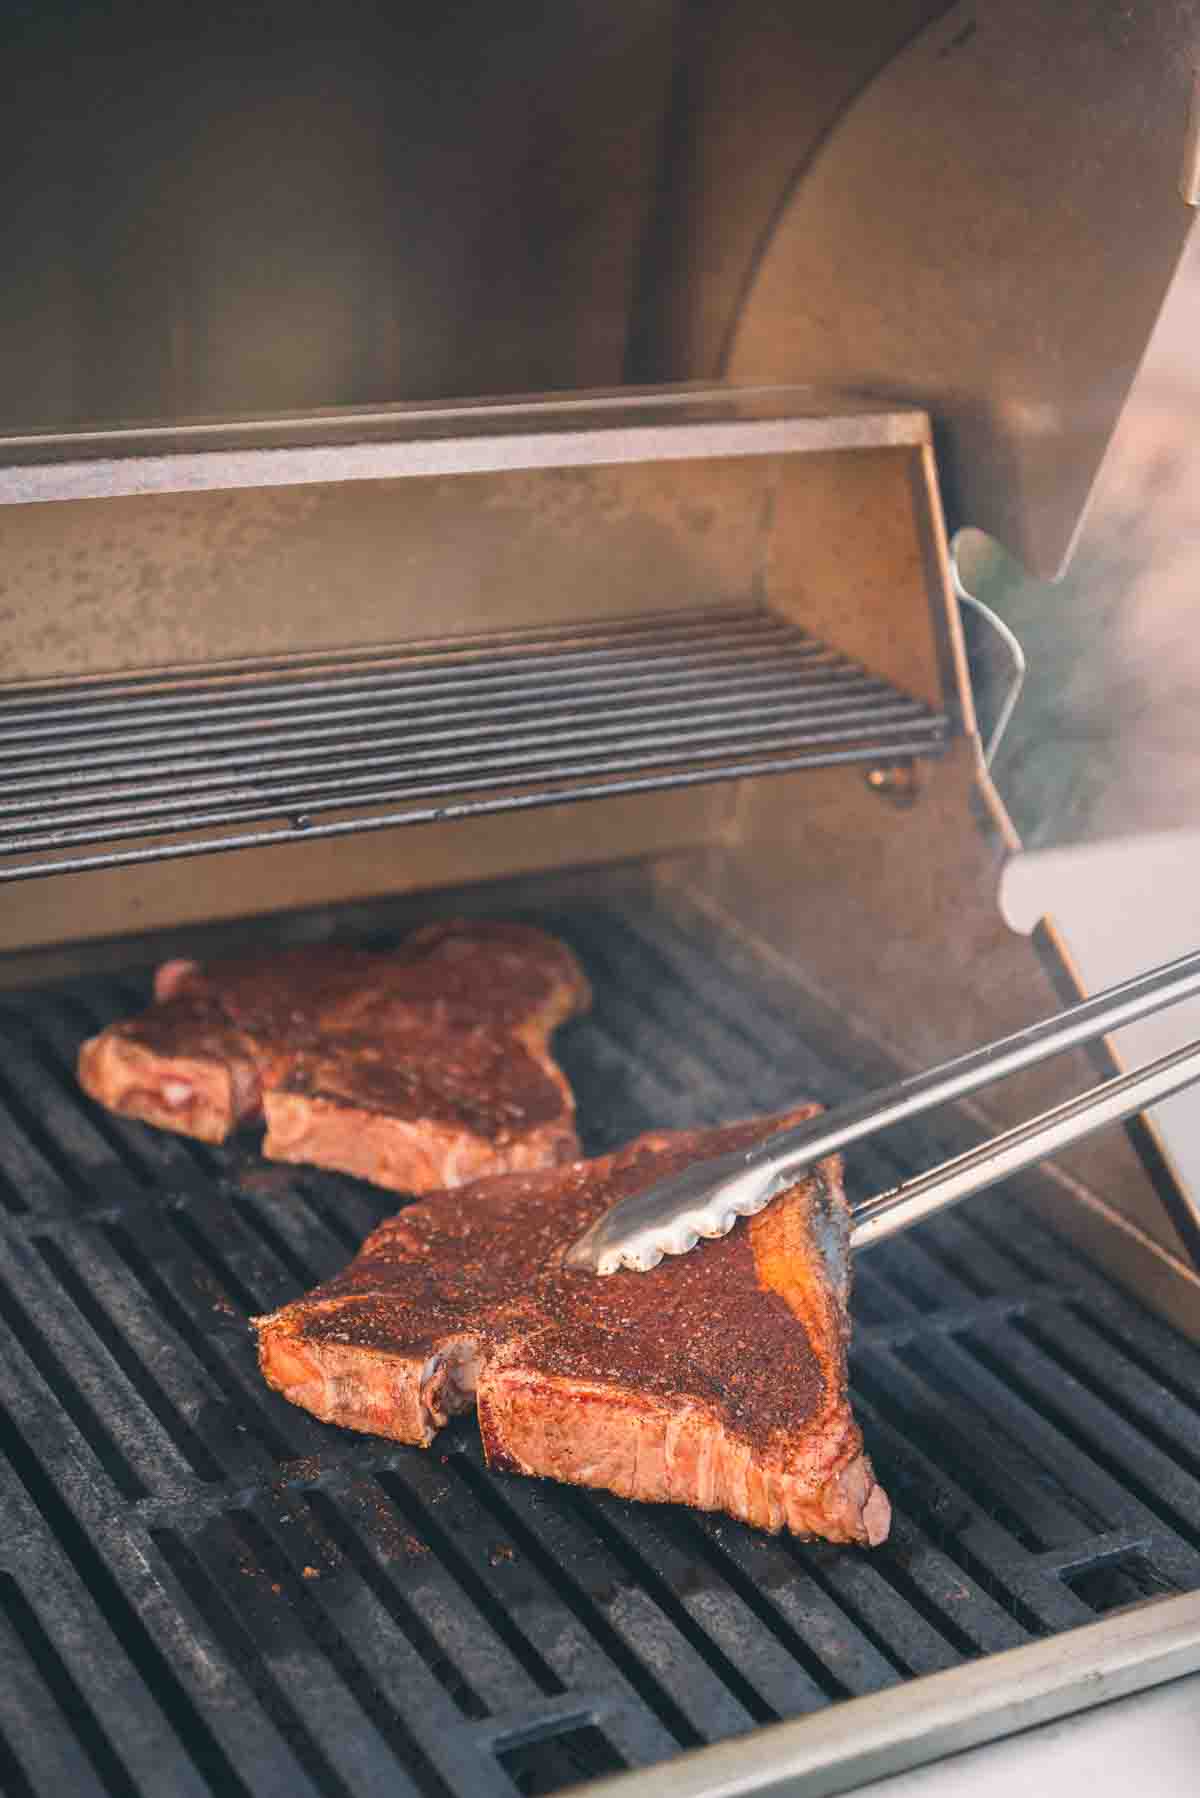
x: 203, y: 1589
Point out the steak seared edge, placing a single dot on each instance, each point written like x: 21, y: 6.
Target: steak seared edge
x: 415, y: 1070
x: 716, y: 1380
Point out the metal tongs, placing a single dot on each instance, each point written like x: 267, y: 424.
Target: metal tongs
x: 706, y: 1198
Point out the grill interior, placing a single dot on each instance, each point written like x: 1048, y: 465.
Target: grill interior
x: 203, y: 1589
x: 267, y: 752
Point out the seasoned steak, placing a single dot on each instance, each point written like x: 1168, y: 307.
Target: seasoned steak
x: 416, y: 1070
x: 716, y: 1380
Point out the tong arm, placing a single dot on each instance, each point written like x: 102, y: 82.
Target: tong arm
x: 706, y: 1198
x: 1022, y: 1147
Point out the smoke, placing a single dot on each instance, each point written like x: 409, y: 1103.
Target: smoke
x: 1106, y: 739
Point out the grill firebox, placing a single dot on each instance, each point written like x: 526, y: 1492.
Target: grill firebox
x: 204, y: 1589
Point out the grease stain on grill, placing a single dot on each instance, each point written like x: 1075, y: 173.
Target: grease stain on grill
x: 257, y: 1179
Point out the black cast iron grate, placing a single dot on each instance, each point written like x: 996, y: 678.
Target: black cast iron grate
x: 204, y: 1590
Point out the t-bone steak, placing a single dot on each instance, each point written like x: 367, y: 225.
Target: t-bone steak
x: 716, y: 1380
x: 417, y: 1070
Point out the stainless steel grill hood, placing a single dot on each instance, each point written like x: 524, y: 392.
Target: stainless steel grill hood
x: 974, y: 209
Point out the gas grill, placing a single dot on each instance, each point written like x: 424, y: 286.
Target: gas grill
x: 667, y: 659
x: 203, y: 1583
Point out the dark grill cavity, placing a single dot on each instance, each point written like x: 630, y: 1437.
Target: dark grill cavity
x: 202, y: 1589
x: 269, y: 753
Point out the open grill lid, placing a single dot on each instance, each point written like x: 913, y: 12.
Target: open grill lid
x: 976, y: 210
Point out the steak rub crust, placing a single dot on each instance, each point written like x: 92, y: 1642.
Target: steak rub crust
x: 416, y: 1070
x: 716, y: 1380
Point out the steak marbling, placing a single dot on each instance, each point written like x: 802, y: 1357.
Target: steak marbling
x: 716, y: 1380
x: 416, y: 1070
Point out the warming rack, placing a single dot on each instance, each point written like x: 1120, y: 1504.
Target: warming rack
x: 103, y: 772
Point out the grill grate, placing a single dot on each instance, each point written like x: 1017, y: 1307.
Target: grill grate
x: 265, y: 753
x: 202, y: 1589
